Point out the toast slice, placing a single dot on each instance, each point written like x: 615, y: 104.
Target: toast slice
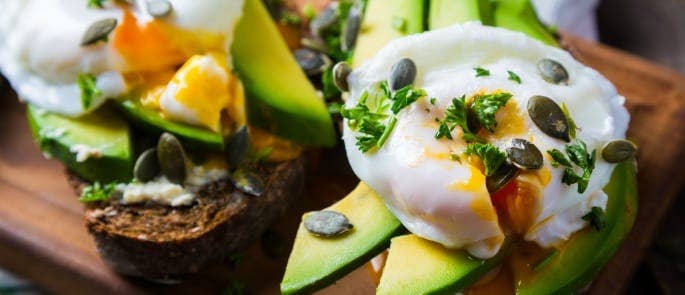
x: 162, y: 243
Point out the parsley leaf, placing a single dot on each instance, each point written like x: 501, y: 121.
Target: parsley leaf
x: 481, y: 72
x: 97, y: 192
x: 596, y: 218
x: 89, y: 90
x: 571, y: 124
x: 96, y: 3
x: 330, y: 91
x: 491, y: 156
x: 399, y: 24
x: 485, y: 107
x: 577, y: 154
x: 403, y: 97
x: 514, y: 77
x: 455, y: 115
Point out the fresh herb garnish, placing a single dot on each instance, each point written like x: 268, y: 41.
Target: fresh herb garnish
x: 97, y: 192
x: 96, y: 3
x: 89, y: 90
x: 328, y: 88
x: 402, y: 97
x: 455, y: 115
x: 514, y: 77
x: 486, y: 106
x: 309, y: 11
x: 290, y: 18
x: 571, y: 124
x: 481, y: 72
x: 577, y: 154
x: 596, y: 218
x: 432, y: 101
x: 491, y: 156
x: 399, y: 24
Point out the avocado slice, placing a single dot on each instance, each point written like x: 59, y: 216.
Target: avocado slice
x: 448, y: 12
x: 520, y: 16
x: 317, y: 262
x: 151, y: 120
x: 581, y: 258
x: 419, y: 266
x: 280, y: 98
x: 385, y: 20
x: 103, y: 131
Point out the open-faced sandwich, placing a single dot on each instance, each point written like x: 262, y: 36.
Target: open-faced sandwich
x: 491, y: 161
x: 181, y: 122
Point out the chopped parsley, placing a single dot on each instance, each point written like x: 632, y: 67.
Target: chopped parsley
x: 96, y: 3
x: 491, y: 156
x: 455, y: 115
x: 399, y: 24
x: 402, y: 97
x: 596, y: 218
x: 514, y: 77
x: 571, y: 124
x: 577, y: 154
x: 290, y: 18
x: 89, y: 90
x: 432, y: 101
x: 481, y: 72
x: 485, y: 107
x: 97, y: 192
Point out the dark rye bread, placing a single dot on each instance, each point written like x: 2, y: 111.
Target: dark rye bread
x: 158, y: 242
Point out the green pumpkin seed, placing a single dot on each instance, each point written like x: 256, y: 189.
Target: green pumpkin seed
x: 311, y: 61
x: 524, y: 154
x: 618, y: 151
x: 159, y: 8
x: 341, y: 71
x: 247, y: 182
x: 549, y: 117
x: 327, y: 223
x: 314, y: 43
x: 501, y: 177
x: 98, y: 31
x: 324, y: 20
x: 172, y: 158
x: 552, y: 71
x: 147, y: 165
x: 237, y: 147
x: 351, y: 30
x: 402, y: 74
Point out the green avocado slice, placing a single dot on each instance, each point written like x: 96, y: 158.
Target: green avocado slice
x: 582, y: 257
x: 102, y: 131
x: 448, y: 12
x: 520, y: 16
x: 318, y: 262
x: 279, y: 96
x: 419, y: 266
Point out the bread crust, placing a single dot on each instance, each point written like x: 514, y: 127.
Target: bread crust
x: 158, y: 242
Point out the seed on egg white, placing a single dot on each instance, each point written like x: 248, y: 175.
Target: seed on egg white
x: 341, y: 71
x: 324, y: 20
x: 159, y: 8
x: 524, y: 154
x: 98, y: 31
x: 147, y: 165
x: 402, y: 74
x: 172, y: 158
x: 247, y: 182
x: 312, y: 62
x: 552, y: 71
x: 501, y: 177
x: 549, y: 117
x: 237, y: 146
x: 617, y: 151
x: 327, y: 223
x: 351, y: 30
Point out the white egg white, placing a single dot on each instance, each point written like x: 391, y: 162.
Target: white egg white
x: 413, y: 171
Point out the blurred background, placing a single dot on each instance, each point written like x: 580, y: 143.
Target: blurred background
x: 653, y: 29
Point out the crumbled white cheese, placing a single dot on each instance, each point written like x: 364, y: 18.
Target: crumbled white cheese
x: 84, y: 152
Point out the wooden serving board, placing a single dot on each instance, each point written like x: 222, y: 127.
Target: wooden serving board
x: 42, y: 236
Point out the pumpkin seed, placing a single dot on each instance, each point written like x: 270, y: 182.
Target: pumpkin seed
x: 351, y: 30
x: 147, y: 165
x: 402, y: 73
x: 172, y: 158
x: 501, y: 177
x: 327, y: 223
x: 98, y: 31
x: 247, y: 182
x: 314, y: 43
x: 159, y: 8
x: 341, y: 71
x: 237, y: 146
x: 524, y: 154
x: 618, y: 151
x: 549, y: 117
x: 324, y: 20
x: 312, y: 62
x: 552, y: 71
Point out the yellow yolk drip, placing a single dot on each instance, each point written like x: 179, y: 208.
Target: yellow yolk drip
x: 481, y: 204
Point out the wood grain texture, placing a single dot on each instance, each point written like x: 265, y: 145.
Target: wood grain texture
x: 43, y: 239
